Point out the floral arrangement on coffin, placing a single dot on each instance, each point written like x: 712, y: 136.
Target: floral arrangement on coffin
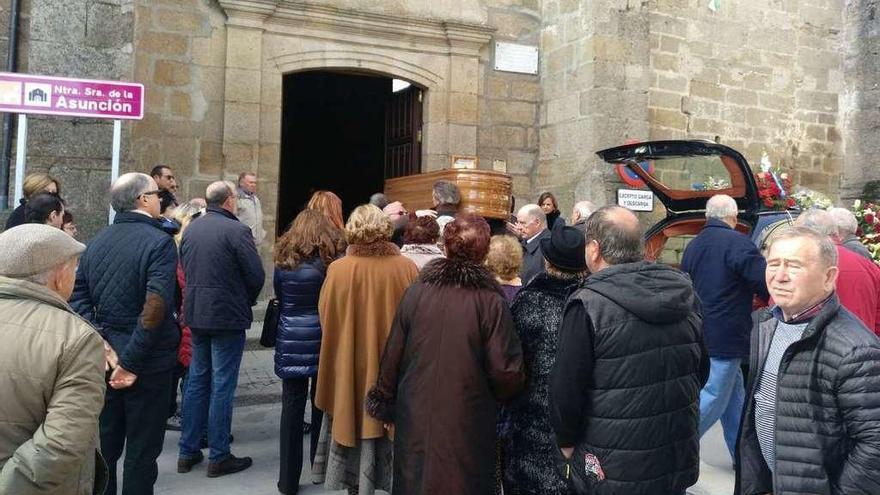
x: 774, y: 186
x: 869, y: 227
x: 711, y: 184
x: 808, y: 198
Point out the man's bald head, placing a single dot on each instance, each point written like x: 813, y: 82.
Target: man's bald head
x: 819, y: 220
x: 221, y: 194
x: 617, y: 234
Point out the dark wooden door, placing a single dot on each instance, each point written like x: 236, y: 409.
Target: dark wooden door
x: 403, y: 133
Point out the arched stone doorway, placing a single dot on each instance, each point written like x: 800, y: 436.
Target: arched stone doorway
x: 267, y: 39
x: 345, y: 131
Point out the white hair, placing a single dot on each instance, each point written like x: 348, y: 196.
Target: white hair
x: 125, y: 192
x: 43, y: 278
x: 534, y: 212
x: 721, y: 206
x: 846, y: 221
x: 40, y: 278
x: 585, y: 208
x: 819, y: 220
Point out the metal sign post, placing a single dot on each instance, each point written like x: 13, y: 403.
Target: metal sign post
x: 20, y: 150
x: 43, y: 95
x: 114, y: 161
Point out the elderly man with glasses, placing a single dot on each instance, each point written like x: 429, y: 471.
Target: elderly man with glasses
x: 126, y: 287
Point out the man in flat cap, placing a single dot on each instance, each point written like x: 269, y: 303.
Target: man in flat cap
x: 52, y: 372
x: 126, y: 286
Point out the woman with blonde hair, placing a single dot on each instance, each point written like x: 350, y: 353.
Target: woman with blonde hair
x: 36, y: 183
x: 356, y: 307
x: 504, y: 261
x: 302, y: 255
x: 330, y: 205
x: 182, y: 215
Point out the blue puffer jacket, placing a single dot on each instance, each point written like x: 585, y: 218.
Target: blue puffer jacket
x: 298, y: 343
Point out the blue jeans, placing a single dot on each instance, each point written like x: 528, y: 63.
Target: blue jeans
x: 210, y: 388
x: 722, y: 398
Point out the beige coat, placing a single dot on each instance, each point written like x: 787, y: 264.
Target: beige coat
x: 250, y: 213
x: 52, y: 389
x: 357, y: 305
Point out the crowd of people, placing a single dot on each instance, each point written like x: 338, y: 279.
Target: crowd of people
x: 439, y: 352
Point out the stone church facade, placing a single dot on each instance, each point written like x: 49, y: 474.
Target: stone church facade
x: 799, y: 79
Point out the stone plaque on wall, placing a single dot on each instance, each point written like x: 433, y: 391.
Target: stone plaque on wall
x: 513, y: 57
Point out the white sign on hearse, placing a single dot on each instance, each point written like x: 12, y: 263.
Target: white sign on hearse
x: 635, y: 200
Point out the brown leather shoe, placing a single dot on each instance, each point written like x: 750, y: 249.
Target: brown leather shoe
x: 186, y: 465
x: 229, y: 465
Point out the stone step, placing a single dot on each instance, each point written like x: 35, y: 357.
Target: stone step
x: 257, y: 383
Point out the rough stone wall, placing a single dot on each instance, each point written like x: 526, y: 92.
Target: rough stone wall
x: 761, y: 76
x: 509, y: 107
x: 594, y: 84
x: 758, y: 76
x: 74, y: 38
x: 861, y: 96
x: 180, y: 48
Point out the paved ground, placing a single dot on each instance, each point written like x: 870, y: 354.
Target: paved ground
x: 255, y: 426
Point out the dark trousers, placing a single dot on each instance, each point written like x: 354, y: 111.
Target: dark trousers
x: 134, y: 419
x: 293, y: 407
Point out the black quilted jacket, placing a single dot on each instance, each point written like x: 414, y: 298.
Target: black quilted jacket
x: 638, y: 401
x: 827, y: 411
x: 121, y: 265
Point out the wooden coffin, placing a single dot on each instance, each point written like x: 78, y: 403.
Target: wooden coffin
x: 484, y: 192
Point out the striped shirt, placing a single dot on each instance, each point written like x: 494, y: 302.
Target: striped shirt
x: 785, y: 335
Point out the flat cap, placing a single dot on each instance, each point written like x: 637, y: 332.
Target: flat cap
x: 31, y: 249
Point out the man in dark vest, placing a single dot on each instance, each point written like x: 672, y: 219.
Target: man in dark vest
x: 625, y: 388
x: 811, y: 423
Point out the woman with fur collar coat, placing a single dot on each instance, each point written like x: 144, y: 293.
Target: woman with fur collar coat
x: 452, y: 355
x: 356, y: 307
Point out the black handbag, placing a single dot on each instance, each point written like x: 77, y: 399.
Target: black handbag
x: 270, y: 324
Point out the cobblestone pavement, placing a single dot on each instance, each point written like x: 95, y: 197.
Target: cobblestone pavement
x: 255, y: 426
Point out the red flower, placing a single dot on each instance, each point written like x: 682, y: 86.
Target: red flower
x: 768, y: 202
x: 790, y: 203
x: 869, y: 218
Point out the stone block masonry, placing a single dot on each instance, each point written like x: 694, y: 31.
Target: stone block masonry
x: 76, y: 38
x: 756, y: 76
x: 508, y: 112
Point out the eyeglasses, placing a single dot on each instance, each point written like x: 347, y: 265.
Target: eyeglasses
x: 149, y: 193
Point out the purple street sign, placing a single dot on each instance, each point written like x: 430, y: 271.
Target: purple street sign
x: 24, y: 93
